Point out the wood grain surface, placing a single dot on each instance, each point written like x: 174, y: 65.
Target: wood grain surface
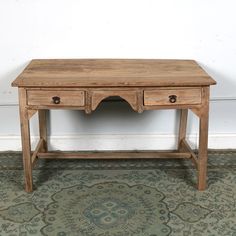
x: 112, y: 73
x: 144, y: 84
x: 162, y: 97
x: 67, y: 98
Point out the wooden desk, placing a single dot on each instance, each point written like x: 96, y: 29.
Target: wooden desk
x: 83, y: 84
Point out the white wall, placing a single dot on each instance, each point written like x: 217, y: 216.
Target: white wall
x: 204, y: 30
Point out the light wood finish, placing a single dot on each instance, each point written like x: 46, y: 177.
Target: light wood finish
x: 130, y: 96
x: 196, y: 110
x: 114, y: 155
x: 140, y: 101
x: 31, y: 112
x: 145, y: 84
x: 163, y: 96
x: 88, y: 102
x: 66, y: 98
x: 112, y: 73
x: 187, y: 148
x: 185, y: 106
x: 42, y: 114
x: 36, y: 151
x: 25, y: 138
x: 203, y: 140
x: 54, y: 107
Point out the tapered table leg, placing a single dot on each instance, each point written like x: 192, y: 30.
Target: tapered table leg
x: 203, y: 141
x: 25, y: 138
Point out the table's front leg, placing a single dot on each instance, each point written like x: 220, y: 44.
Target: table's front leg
x: 203, y: 140
x: 25, y: 138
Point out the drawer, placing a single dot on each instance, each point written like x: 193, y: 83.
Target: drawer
x: 55, y: 98
x: 168, y: 97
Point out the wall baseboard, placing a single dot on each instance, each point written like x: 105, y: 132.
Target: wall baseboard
x: 119, y: 142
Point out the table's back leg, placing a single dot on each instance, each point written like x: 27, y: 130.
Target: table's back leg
x: 182, y: 127
x: 42, y: 114
x: 203, y: 140
x: 25, y: 137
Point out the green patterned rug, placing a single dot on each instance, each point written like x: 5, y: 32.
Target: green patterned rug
x: 118, y: 198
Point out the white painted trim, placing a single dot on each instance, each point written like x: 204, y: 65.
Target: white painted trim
x: 119, y: 142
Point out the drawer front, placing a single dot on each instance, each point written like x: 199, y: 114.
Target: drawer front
x: 55, y: 98
x: 165, y: 97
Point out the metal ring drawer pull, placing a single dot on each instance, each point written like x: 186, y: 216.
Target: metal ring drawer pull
x: 56, y: 100
x: 172, y: 98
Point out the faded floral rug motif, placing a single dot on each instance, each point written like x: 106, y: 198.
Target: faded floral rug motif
x: 118, y: 198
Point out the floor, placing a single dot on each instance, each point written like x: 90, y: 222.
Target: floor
x: 118, y: 198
